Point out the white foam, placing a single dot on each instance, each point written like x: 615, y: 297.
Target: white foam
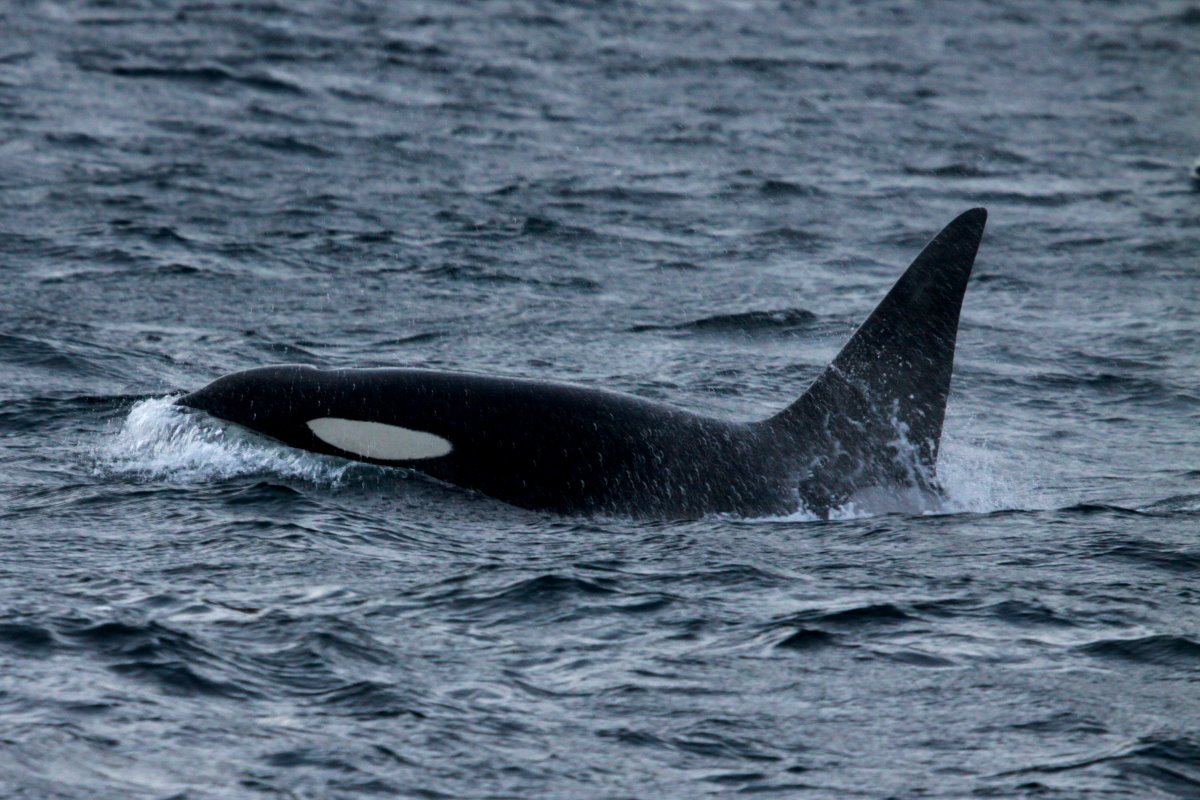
x: 979, y: 477
x: 161, y: 441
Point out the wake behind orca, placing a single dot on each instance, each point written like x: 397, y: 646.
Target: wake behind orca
x: 869, y: 424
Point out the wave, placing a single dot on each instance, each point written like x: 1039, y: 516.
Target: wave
x: 745, y: 322
x: 210, y: 75
x: 1160, y: 764
x: 313, y: 662
x: 1161, y: 650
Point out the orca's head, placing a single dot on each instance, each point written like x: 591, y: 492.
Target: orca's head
x: 326, y: 411
x: 276, y: 401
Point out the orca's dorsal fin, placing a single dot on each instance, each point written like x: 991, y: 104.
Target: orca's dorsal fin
x: 874, y: 416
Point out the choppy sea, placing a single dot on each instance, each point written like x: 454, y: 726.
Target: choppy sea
x: 693, y: 201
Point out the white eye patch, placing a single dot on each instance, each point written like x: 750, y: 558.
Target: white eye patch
x: 377, y: 440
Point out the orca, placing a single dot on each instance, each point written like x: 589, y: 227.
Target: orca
x: 871, y: 422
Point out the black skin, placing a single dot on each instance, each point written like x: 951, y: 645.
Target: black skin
x: 549, y: 446
x: 872, y: 419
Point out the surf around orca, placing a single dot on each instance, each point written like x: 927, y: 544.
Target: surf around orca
x: 869, y: 424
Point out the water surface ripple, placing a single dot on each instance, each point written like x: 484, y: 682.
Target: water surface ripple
x: 692, y: 202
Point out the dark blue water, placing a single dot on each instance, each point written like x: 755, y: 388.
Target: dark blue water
x: 692, y: 202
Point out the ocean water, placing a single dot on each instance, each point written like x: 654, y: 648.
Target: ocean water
x: 694, y: 202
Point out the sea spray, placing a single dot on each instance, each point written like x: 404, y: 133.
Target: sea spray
x: 160, y: 441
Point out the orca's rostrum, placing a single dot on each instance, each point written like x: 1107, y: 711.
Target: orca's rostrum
x: 870, y: 423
